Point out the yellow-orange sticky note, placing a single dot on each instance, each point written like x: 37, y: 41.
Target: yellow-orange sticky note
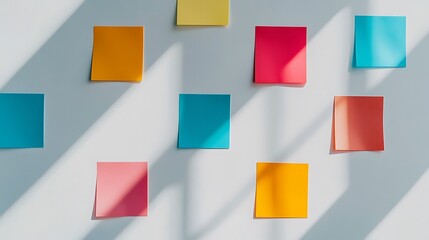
x: 358, y: 123
x: 203, y: 12
x: 117, y: 54
x: 281, y: 190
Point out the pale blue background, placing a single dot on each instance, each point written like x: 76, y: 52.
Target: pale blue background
x: 21, y: 120
x: 380, y: 41
x: 204, y: 121
x: 206, y: 194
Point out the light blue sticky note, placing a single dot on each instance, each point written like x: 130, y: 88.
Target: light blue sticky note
x: 21, y: 120
x: 380, y: 42
x: 204, y: 120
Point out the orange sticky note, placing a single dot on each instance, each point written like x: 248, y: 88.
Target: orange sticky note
x: 121, y: 189
x: 280, y: 55
x: 281, y: 190
x: 117, y: 54
x: 358, y: 123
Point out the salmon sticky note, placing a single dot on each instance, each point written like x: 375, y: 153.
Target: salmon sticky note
x: 121, y: 189
x: 358, y: 123
x: 280, y: 55
x: 203, y: 12
x: 281, y: 190
x: 22, y: 120
x: 117, y: 54
x: 380, y: 42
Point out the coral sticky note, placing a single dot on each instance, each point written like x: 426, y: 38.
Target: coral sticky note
x: 117, y: 54
x: 122, y: 189
x: 281, y: 190
x: 380, y: 42
x: 204, y: 120
x: 22, y: 120
x: 358, y: 123
x: 206, y: 12
x: 280, y: 55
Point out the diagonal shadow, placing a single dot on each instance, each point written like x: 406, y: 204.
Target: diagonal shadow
x: 276, y: 230
x: 361, y: 177
x: 61, y: 87
x: 235, y: 201
x: 61, y: 70
x: 221, y: 76
x: 364, y: 193
x: 378, y: 181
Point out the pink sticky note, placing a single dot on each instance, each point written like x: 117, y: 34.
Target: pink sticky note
x: 280, y: 55
x: 121, y: 189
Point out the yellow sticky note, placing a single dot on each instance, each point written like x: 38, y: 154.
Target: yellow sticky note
x: 281, y: 190
x: 117, y: 54
x: 203, y: 12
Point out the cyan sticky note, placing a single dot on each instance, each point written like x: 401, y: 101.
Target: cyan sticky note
x: 380, y: 42
x: 204, y: 120
x: 21, y: 120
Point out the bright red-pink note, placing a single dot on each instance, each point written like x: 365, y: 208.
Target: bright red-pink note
x: 280, y: 55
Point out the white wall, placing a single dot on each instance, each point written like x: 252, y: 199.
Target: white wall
x: 45, y: 46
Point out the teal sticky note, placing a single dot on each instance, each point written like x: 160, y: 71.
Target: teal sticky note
x: 380, y: 42
x: 204, y: 120
x: 21, y: 120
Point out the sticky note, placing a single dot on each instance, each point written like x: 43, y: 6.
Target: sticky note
x: 204, y: 120
x: 122, y: 189
x: 380, y: 42
x: 280, y: 55
x: 358, y: 123
x: 203, y: 12
x: 117, y: 54
x: 22, y: 120
x: 281, y: 190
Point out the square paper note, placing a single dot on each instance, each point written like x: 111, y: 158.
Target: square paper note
x: 281, y: 190
x: 121, y: 189
x: 280, y: 55
x: 358, y: 124
x: 203, y: 12
x: 117, y: 54
x: 22, y: 120
x: 380, y: 42
x: 204, y: 121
